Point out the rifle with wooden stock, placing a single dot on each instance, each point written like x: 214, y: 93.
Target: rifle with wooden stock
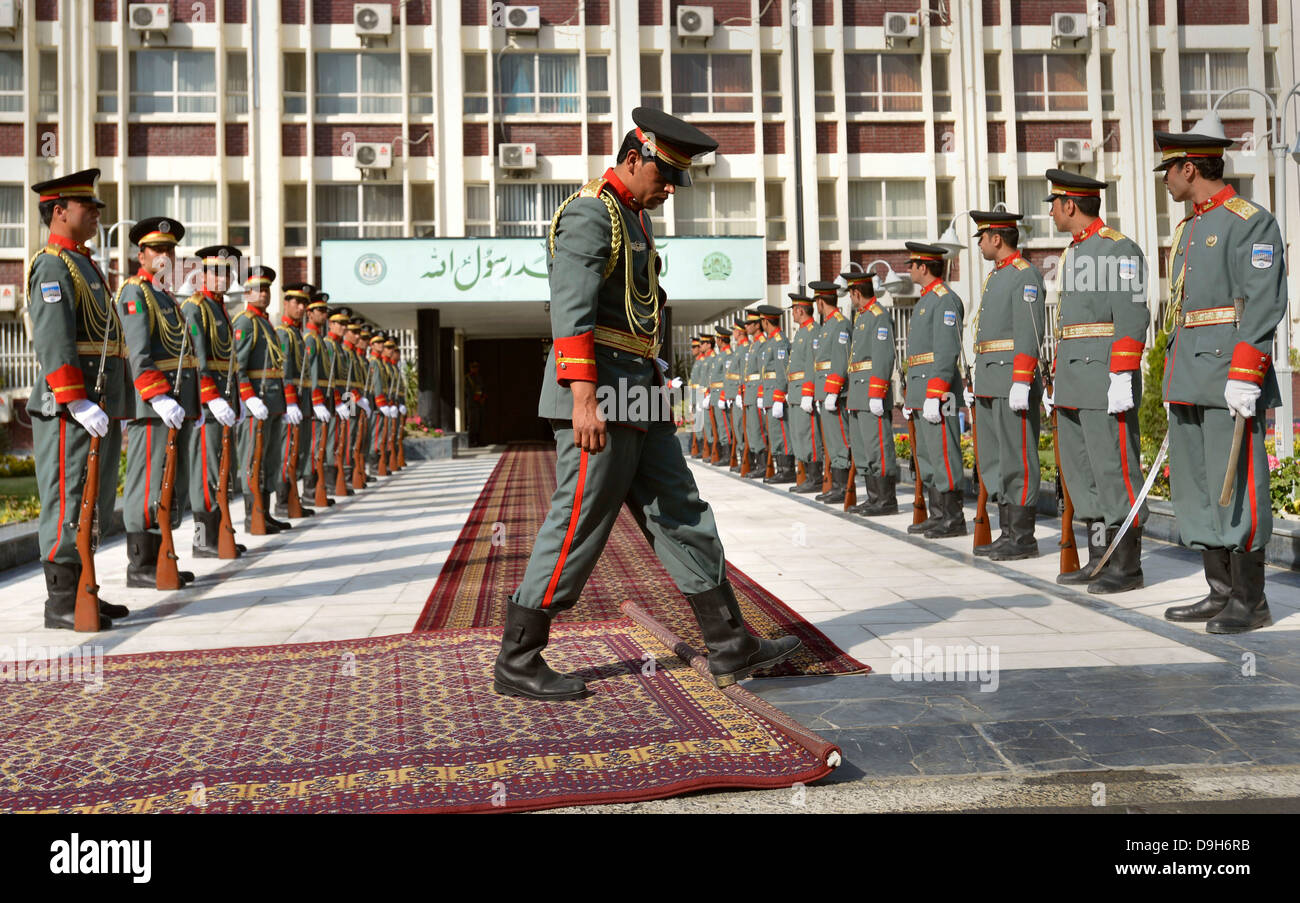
x: 322, y: 494
x: 85, y: 618
x: 1069, y: 550
x: 358, y: 446
x: 167, y: 574
x: 919, y: 512
x: 983, y: 533
x: 258, y: 514
x: 340, y: 449
x: 293, y: 503
x: 226, y: 546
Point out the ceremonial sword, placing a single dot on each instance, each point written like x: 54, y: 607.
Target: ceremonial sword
x: 1141, y: 497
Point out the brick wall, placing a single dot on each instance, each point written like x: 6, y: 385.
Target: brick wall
x: 1213, y: 12
x: 1110, y: 131
x: 1044, y: 259
x: 105, y: 139
x: 236, y: 11
x: 650, y: 12
x: 293, y: 140
x: 828, y: 266
x: 877, y: 138
x: 340, y: 12
x: 598, y: 12
x: 774, y: 137
x: 12, y: 273
x: 105, y: 10
x: 722, y: 10
x: 896, y: 259
x: 823, y: 12
x: 945, y: 137
x: 871, y: 13
x: 45, y: 145
x: 600, y: 139
x: 147, y: 140
x: 236, y: 139
x: 1039, y: 12
x: 732, y: 137
x: 47, y: 10
x: 826, y: 137
x: 771, y: 16
x: 997, y: 137
x: 293, y: 12
x: 417, y: 13
x: 475, y: 139
x: 778, y: 267
x: 992, y: 11
x: 292, y: 269
x: 1040, y: 137
x: 1232, y: 128
x: 11, y: 140
x: 1270, y: 12
x: 329, y: 139
x: 551, y: 140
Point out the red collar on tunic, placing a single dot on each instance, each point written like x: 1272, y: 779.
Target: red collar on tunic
x: 64, y: 242
x: 1214, y: 201
x: 934, y: 283
x: 1093, y: 228
x: 1010, y: 258
x: 624, y: 196
x: 250, y: 309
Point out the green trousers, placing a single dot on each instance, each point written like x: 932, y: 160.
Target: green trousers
x: 872, y: 440
x: 146, y: 456
x: 1006, y: 450
x: 1199, y: 442
x: 287, y: 472
x: 754, y: 432
x: 778, y: 432
x: 647, y: 472
x: 835, y: 434
x: 1101, y: 463
x: 204, y: 457
x: 938, y: 451
x: 61, y: 447
x: 804, y: 429
x: 246, y: 438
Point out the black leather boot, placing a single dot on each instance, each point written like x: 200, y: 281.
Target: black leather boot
x: 757, y: 465
x: 1218, y: 574
x: 1022, y: 543
x: 871, y: 489
x: 734, y: 653
x: 61, y: 597
x: 839, y: 486
x: 520, y: 669
x: 933, y: 514
x: 1247, y: 607
x: 266, y: 506
x: 141, y: 561
x: 784, y: 470
x: 281, y: 509
x: 954, y: 517
x: 271, y: 528
x: 1124, y: 570
x: 811, y: 480
x: 1096, y: 549
x: 1004, y: 536
x: 887, y: 495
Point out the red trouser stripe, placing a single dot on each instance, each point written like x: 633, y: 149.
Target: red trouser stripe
x: 58, y: 536
x: 943, y: 428
x: 880, y: 430
x: 843, y: 435
x: 816, y: 443
x: 568, y: 536
x: 203, y: 457
x: 1024, y: 459
x: 785, y: 442
x: 148, y: 467
x: 1123, y: 458
x: 1250, y: 485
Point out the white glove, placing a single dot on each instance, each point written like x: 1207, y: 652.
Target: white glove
x: 222, y: 410
x: 877, y: 406
x: 806, y: 403
x: 1241, y: 397
x: 831, y: 399
x: 930, y: 411
x: 1049, y: 402
x: 364, y: 403
x: 969, y: 397
x: 707, y: 396
x: 293, y: 414
x: 677, y: 382
x: 778, y: 409
x: 663, y: 365
x: 322, y: 413
x: 344, y: 412
x: 762, y: 405
x: 1119, y: 397
x: 90, y: 415
x: 169, y: 410
x: 257, y: 407
x: 391, y: 412
x: 1019, y: 400
x: 401, y: 409
x: 722, y: 402
x: 730, y: 402
x: 907, y: 412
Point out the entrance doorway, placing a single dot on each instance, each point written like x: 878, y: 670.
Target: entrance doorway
x: 510, y: 371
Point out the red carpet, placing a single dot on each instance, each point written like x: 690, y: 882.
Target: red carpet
x: 480, y: 574
x: 402, y: 723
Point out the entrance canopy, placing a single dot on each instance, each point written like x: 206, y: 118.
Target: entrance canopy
x: 498, y: 287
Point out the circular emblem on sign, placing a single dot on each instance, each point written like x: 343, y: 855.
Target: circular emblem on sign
x: 371, y: 268
x: 716, y: 266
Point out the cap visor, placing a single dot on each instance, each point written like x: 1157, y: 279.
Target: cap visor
x: 1165, y: 164
x: 673, y: 175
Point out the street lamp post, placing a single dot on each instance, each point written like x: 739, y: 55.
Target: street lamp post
x: 102, y: 253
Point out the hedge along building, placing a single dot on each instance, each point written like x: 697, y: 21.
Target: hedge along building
x: 839, y: 139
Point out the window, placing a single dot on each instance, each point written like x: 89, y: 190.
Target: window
x: 475, y: 75
x: 1157, y: 81
x: 1035, y: 210
x: 939, y: 80
x: 770, y: 69
x: 295, y: 82
x: 478, y: 213
x: 887, y: 209
x: 11, y: 216
x: 882, y: 82
x: 420, y: 69
x: 597, y: 85
x: 774, y: 194
x: 11, y: 81
x: 1050, y: 81
x: 237, y: 82
x: 716, y: 208
x: 526, y: 209
x: 423, y: 215
x: 1204, y: 76
x: 107, y: 82
x: 237, y: 218
x: 193, y: 206
x: 827, y: 212
x: 1164, y: 229
x: 1107, y: 82
x: 652, y: 83
x: 173, y: 81
x: 351, y: 84
x: 537, y: 83
x: 1270, y: 76
x: 295, y: 216
x: 47, y: 100
x: 992, y: 84
x: 945, y: 203
x: 712, y: 83
x: 358, y: 211
x: 823, y: 84
x: 107, y: 192
x: 1110, y: 213
x: 997, y: 192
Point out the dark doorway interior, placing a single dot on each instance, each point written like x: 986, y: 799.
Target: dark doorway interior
x: 511, y: 371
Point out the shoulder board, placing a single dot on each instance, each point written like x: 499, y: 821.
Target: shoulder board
x: 1112, y: 234
x: 592, y: 189
x: 1242, y: 207
x: 193, y: 299
x: 1020, y: 263
x: 941, y: 290
x: 876, y: 309
x: 133, y: 280
x: 838, y: 315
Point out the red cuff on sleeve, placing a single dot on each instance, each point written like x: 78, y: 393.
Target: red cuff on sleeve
x: 381, y: 400
x: 778, y: 395
x: 834, y: 384
x: 338, y: 398
x: 936, y: 388
x: 575, y: 359
x: 246, y: 391
x: 290, y: 393
x: 1249, y: 364
x: 877, y: 387
x: 67, y: 384
x: 1126, y: 355
x: 207, y: 389
x: 1023, y: 367
x: 809, y: 390
x: 151, y: 384
x: 317, y: 397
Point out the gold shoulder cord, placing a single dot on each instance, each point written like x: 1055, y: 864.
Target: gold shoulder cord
x: 93, y: 321
x: 274, y: 356
x: 1060, y: 294
x: 1176, y: 286
x: 172, y: 337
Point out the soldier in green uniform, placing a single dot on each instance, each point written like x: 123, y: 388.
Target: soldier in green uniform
x: 364, y: 424
x: 933, y: 385
x: 733, y: 379
x: 162, y: 369
x: 261, y: 389
x: 711, y: 381
x: 315, y: 384
x: 379, y: 381
x: 804, y: 428
x: 1101, y: 328
x: 773, y: 388
x: 870, y: 407
x: 212, y: 339
x: 722, y: 407
x: 1007, y: 390
x: 340, y: 363
x: 73, y: 326
x: 1219, y: 369
x: 297, y: 396
x: 755, y: 434
x: 830, y: 378
x: 694, y: 398
x: 605, y: 321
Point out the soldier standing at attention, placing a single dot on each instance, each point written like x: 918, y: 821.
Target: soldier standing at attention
x: 870, y: 407
x: 156, y: 336
x: 804, y: 427
x: 297, y: 396
x: 722, y: 341
x: 261, y: 388
x: 830, y: 378
x: 933, y: 385
x: 1007, y: 389
x: 73, y: 325
x: 338, y: 365
x: 1101, y: 327
x: 754, y: 413
x: 315, y: 380
x: 711, y: 379
x: 695, y: 407
x: 1219, y: 370
x: 734, y: 387
x: 379, y: 387
x: 605, y: 321
x: 212, y: 339
x: 773, y: 389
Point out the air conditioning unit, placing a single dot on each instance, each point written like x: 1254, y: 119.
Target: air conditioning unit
x: 517, y: 156
x: 369, y: 155
x: 694, y: 22
x: 8, y: 297
x: 902, y: 26
x: 149, y: 16
x: 372, y: 20
x: 9, y: 14
x: 1072, y: 27
x: 1073, y: 150
x: 521, y: 18
x: 706, y: 159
